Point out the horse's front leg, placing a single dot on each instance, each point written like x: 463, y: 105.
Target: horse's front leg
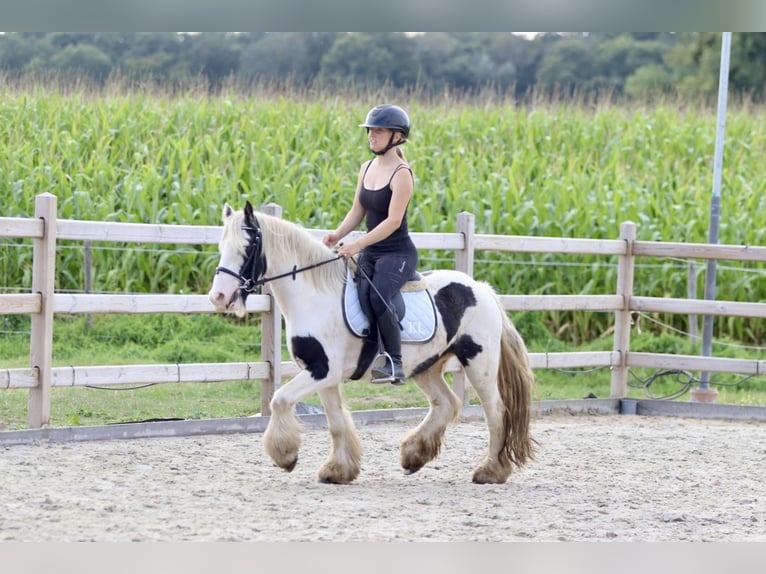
x: 345, y: 460
x: 282, y: 438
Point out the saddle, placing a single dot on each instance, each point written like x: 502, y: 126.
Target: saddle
x: 414, y: 306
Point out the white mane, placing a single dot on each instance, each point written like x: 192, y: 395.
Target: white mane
x: 287, y: 244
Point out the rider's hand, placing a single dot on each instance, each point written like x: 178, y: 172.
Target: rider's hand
x: 331, y: 239
x: 347, y: 250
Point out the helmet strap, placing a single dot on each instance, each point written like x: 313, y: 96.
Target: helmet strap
x: 391, y: 144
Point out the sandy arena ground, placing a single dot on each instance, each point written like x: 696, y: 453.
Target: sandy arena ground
x: 596, y: 478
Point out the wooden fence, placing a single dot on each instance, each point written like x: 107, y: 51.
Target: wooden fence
x: 42, y: 303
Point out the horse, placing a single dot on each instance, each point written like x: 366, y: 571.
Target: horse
x: 307, y: 279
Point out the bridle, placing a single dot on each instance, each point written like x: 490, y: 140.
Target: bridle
x: 253, y: 255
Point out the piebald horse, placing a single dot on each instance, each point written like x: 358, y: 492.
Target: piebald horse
x: 308, y: 280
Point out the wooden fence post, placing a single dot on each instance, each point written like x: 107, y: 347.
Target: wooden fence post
x: 41, y: 338
x: 466, y: 224
x: 271, y: 336
x: 622, y: 317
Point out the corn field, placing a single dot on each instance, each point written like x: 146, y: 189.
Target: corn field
x: 551, y: 169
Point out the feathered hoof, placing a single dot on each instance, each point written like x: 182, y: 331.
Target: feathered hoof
x: 289, y: 467
x: 416, y: 452
x: 331, y: 474
x: 487, y: 475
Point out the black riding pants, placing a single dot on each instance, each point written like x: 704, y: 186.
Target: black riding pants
x: 388, y: 272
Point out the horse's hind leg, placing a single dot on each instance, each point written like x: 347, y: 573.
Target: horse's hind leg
x: 344, y: 463
x: 482, y: 373
x: 423, y: 443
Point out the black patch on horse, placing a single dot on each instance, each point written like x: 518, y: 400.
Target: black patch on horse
x: 425, y: 365
x: 465, y: 349
x: 452, y: 300
x: 311, y: 353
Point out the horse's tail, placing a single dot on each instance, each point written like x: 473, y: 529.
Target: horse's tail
x: 516, y: 382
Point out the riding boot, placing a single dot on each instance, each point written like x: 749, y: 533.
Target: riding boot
x: 390, y: 371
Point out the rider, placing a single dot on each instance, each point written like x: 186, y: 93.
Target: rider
x: 388, y: 255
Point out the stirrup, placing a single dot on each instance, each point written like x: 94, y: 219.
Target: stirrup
x: 380, y: 373
x: 383, y: 375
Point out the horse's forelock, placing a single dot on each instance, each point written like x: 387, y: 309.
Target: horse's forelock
x: 232, y: 232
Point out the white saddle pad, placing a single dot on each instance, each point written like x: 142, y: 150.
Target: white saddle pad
x: 419, y: 321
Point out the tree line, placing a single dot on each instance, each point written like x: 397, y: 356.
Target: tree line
x: 621, y: 65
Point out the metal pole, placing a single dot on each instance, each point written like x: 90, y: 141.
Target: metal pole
x: 715, y: 205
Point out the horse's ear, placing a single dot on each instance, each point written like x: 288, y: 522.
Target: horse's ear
x: 249, y: 215
x: 227, y: 211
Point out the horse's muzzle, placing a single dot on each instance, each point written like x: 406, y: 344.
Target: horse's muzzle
x: 235, y: 304
x: 218, y: 299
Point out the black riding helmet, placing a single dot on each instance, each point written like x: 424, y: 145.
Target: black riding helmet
x: 390, y: 117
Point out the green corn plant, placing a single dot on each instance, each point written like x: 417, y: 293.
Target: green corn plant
x: 551, y: 169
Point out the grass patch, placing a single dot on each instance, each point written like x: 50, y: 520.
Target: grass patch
x: 125, y: 339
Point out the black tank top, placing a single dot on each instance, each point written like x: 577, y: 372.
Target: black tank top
x: 376, y: 202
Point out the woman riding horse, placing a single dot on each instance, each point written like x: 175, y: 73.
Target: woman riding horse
x: 388, y: 255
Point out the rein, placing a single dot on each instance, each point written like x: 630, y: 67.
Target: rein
x: 250, y: 284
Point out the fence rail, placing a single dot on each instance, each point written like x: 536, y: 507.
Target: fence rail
x: 43, y: 303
